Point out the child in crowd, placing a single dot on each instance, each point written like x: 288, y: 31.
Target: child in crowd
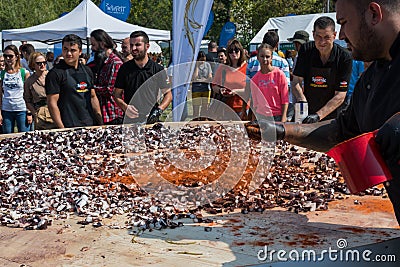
x: 269, y: 88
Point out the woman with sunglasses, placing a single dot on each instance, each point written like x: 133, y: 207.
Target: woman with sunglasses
x: 12, y: 103
x: 35, y: 92
x: 230, y: 79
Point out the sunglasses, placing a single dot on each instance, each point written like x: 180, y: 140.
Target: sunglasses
x: 231, y: 51
x: 8, y: 56
x: 40, y: 63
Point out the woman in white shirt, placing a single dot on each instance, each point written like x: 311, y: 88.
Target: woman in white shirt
x: 12, y: 103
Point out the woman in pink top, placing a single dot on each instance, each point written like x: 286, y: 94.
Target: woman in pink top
x: 269, y: 88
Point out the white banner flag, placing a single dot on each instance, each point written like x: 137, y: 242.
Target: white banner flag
x: 188, y: 26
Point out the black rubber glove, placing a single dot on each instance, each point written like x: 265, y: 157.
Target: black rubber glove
x: 312, y: 118
x: 154, y: 115
x: 388, y: 139
x: 270, y: 130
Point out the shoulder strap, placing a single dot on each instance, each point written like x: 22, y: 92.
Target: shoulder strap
x: 23, y: 74
x: 88, y: 77
x: 2, y: 73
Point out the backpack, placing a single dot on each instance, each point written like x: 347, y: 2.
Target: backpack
x: 22, y: 70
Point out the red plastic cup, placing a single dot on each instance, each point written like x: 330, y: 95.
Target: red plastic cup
x: 360, y: 162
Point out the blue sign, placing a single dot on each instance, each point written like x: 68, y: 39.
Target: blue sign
x: 118, y: 9
x: 57, y: 49
x: 209, y: 22
x: 228, y: 32
x: 63, y: 14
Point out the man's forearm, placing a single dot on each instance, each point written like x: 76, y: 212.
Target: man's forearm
x: 96, y: 109
x: 118, y: 99
x: 297, y: 89
x: 55, y: 115
x: 320, y: 136
x: 167, y: 99
x: 331, y: 105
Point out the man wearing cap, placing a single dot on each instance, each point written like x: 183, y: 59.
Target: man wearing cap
x: 325, y: 69
x: 299, y: 38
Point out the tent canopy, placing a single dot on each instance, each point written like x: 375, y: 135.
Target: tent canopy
x: 288, y: 25
x: 81, y: 21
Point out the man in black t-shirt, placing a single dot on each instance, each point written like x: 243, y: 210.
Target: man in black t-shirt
x: 212, y: 55
x: 141, y: 105
x: 325, y: 68
x: 70, y: 94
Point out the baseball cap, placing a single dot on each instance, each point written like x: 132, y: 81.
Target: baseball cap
x: 300, y: 36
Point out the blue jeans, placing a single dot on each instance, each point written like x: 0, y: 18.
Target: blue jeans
x: 9, y: 119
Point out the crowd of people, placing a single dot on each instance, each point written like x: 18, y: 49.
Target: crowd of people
x: 75, y: 90
x: 40, y: 92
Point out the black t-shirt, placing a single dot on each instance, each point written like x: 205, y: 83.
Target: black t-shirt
x: 74, y: 88
x: 375, y: 99
x: 131, y: 77
x: 212, y: 57
x: 322, y: 80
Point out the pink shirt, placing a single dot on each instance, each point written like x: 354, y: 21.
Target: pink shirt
x: 269, y: 92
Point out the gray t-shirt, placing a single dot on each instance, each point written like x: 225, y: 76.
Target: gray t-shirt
x: 13, y: 92
x: 203, y: 72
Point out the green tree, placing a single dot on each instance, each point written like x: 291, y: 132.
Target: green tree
x: 221, y: 9
x: 250, y: 15
x: 242, y: 16
x: 151, y: 14
x: 25, y: 13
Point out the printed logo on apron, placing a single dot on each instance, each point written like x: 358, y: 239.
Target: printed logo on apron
x: 320, y: 77
x: 318, y: 81
x: 82, y: 87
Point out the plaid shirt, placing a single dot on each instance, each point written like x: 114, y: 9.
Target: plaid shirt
x: 105, y: 86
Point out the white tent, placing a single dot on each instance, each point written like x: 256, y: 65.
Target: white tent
x: 81, y: 21
x: 39, y: 46
x: 288, y: 25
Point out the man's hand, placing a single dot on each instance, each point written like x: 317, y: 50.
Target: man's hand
x: 388, y: 139
x: 226, y: 91
x: 267, y: 130
x: 154, y: 115
x: 29, y: 118
x: 131, y: 112
x: 312, y: 118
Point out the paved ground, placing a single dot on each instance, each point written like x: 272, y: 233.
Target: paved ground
x: 234, y: 239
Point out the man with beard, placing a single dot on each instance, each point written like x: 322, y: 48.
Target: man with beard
x: 70, y: 94
x: 371, y: 30
x: 105, y: 68
x: 141, y: 105
x: 325, y: 69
